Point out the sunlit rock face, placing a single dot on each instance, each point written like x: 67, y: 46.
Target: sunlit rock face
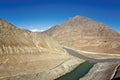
x: 85, y: 34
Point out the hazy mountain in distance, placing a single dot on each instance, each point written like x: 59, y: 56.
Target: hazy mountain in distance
x: 85, y: 34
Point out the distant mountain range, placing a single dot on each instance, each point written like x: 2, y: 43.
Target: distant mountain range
x: 85, y: 34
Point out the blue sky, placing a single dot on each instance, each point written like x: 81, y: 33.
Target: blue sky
x: 43, y: 14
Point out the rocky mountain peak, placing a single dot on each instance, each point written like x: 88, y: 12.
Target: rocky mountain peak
x: 77, y: 20
x: 52, y: 29
x: 84, y: 33
x: 80, y: 18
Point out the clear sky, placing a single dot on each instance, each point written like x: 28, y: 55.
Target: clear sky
x: 42, y: 14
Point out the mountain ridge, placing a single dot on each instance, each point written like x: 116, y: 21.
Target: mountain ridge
x: 85, y: 27
x: 33, y: 55
x: 18, y: 41
x: 79, y: 32
x: 23, y: 52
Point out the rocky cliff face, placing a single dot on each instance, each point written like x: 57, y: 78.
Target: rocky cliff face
x: 85, y: 34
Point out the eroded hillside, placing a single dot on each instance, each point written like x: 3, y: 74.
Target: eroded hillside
x: 85, y: 34
x: 23, y: 52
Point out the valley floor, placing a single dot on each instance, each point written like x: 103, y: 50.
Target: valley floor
x: 53, y: 66
x: 57, y: 65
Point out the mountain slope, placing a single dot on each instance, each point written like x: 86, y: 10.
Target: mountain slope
x: 23, y: 52
x: 11, y: 36
x: 85, y: 34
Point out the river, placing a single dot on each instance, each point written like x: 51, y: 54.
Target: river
x: 78, y: 72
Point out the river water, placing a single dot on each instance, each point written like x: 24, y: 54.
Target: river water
x: 78, y: 72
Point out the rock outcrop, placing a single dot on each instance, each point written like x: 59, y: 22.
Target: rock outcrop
x: 101, y: 71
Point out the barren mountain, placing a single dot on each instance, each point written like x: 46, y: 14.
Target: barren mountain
x: 14, y: 40
x: 26, y: 55
x: 23, y: 52
x: 85, y: 34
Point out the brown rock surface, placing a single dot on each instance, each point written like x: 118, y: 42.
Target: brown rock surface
x: 101, y: 71
x: 85, y: 34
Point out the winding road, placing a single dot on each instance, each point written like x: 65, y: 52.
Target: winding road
x: 77, y: 54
